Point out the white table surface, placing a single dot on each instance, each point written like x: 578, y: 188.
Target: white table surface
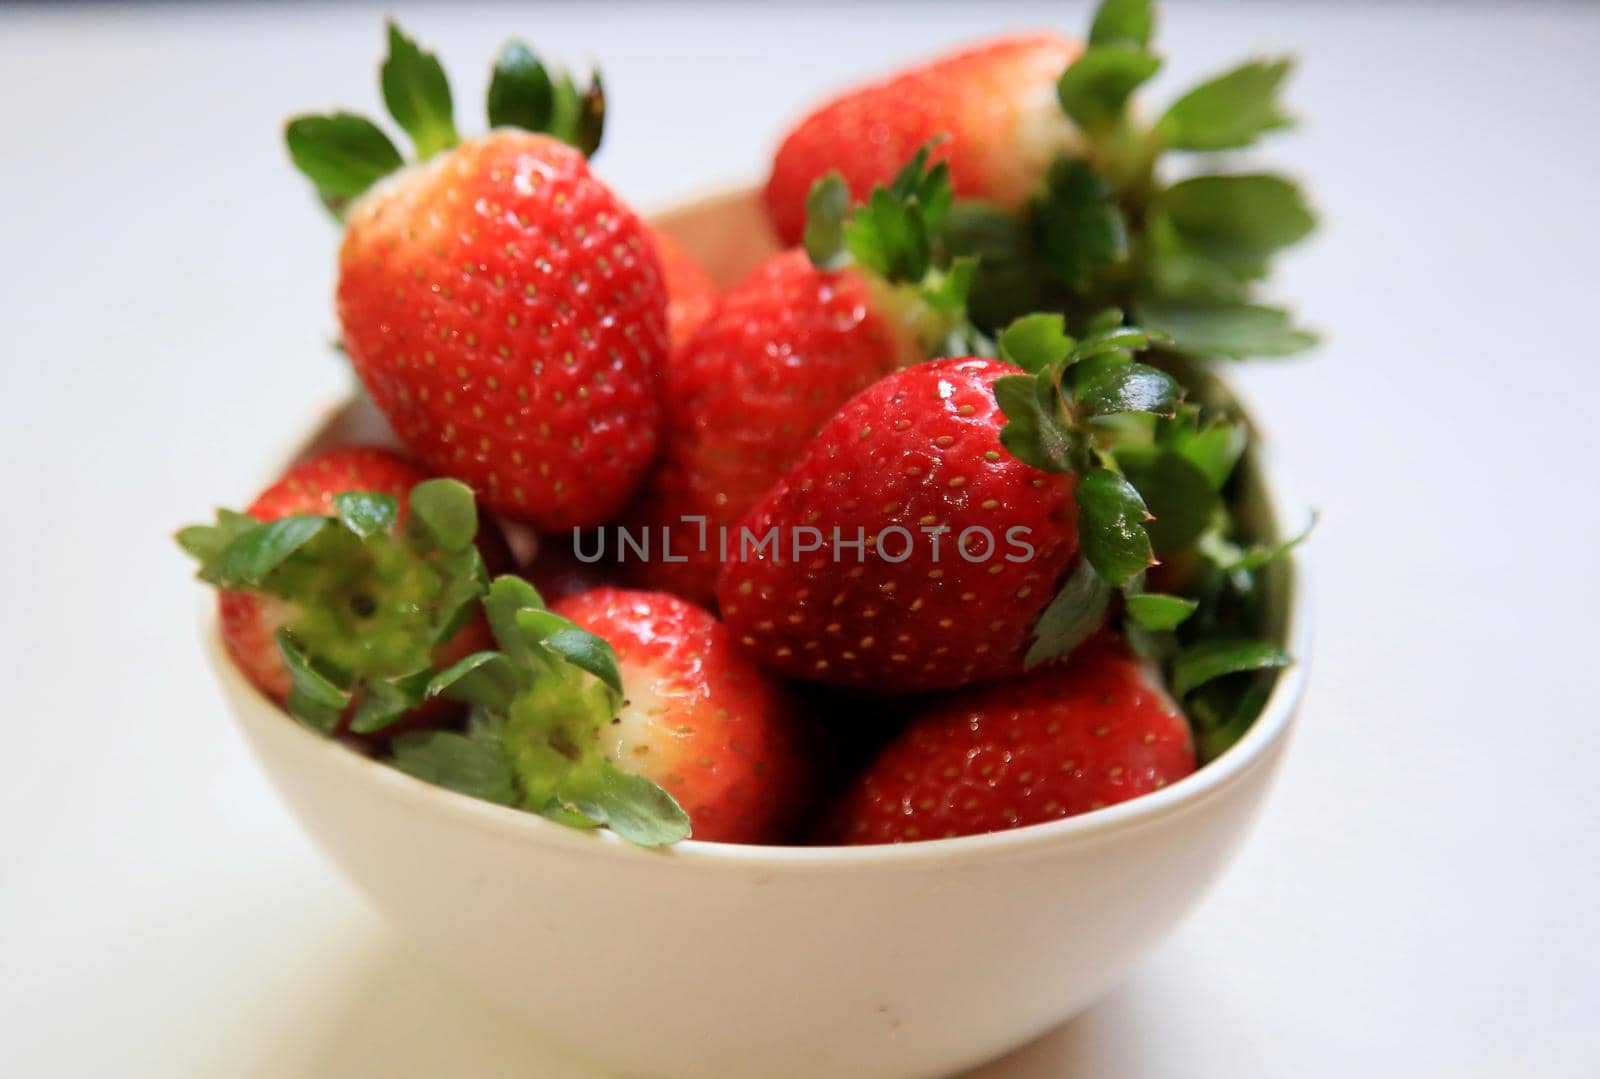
x: 1421, y: 897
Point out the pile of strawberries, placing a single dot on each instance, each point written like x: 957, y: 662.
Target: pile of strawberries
x: 907, y: 535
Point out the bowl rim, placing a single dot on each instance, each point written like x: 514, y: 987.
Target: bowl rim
x: 251, y: 707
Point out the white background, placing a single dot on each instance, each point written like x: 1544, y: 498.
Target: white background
x: 1421, y: 897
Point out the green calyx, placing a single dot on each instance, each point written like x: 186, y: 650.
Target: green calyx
x: 1106, y: 229
x: 540, y: 703
x: 371, y: 600
x: 897, y: 240
x: 344, y: 154
x: 1153, y: 472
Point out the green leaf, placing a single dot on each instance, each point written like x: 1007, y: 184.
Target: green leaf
x: 1214, y: 450
x: 1237, y: 220
x: 1132, y: 387
x: 827, y: 207
x: 342, y: 154
x: 1111, y: 519
x: 383, y: 701
x: 1035, y: 432
x: 445, y: 509
x: 475, y: 767
x: 313, y: 698
x: 520, y: 91
x: 1262, y: 555
x: 1210, y: 660
x: 489, y: 679
x: 508, y: 596
x: 1076, y: 611
x: 366, y: 514
x: 1178, y: 494
x: 1155, y: 611
x: 632, y: 806
x: 1080, y: 227
x: 949, y: 291
x: 1094, y: 90
x: 1122, y: 22
x: 591, y: 653
x: 256, y: 552
x: 207, y: 543
x: 1228, y: 112
x: 1034, y: 342
x: 588, y: 126
x: 418, y: 95
x: 1226, y: 331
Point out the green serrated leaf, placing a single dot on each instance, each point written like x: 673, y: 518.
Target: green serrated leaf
x: 1214, y: 449
x: 1131, y: 387
x: 1156, y: 611
x: 949, y: 291
x: 635, y: 808
x: 365, y: 513
x: 1261, y: 555
x: 342, y: 154
x: 1111, y: 526
x: 1237, y: 220
x: 1228, y: 112
x: 258, y: 551
x: 1122, y: 22
x: 1226, y: 331
x: 827, y: 207
x: 1210, y: 660
x: 471, y: 766
x: 1034, y: 342
x: 1035, y: 432
x: 1079, y: 224
x: 446, y: 511
x: 417, y: 94
x: 313, y: 699
x: 1077, y: 610
x: 1094, y: 90
x: 521, y: 93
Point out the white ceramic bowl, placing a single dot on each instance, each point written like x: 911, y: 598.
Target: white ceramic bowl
x: 721, y: 960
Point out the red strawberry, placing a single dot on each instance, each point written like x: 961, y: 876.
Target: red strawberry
x: 698, y: 718
x: 784, y: 349
x: 356, y: 608
x: 963, y: 545
x: 691, y: 294
x: 996, y: 102
x: 506, y: 312
x: 1064, y: 740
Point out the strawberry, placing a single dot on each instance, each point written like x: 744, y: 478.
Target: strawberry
x: 1064, y: 740
x: 961, y: 545
x: 333, y: 600
x: 502, y: 306
x: 805, y: 332
x: 691, y: 294
x: 659, y: 729
x: 698, y: 717
x: 996, y: 102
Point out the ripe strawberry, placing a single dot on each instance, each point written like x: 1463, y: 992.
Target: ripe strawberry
x: 784, y: 349
x: 698, y: 718
x: 503, y: 307
x: 996, y: 102
x: 962, y: 544
x: 691, y: 294
x: 357, y: 600
x: 506, y: 312
x: 1061, y: 741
